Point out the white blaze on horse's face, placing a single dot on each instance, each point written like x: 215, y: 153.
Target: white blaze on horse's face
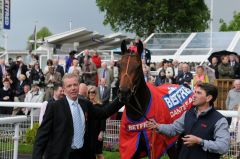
x: 130, y: 73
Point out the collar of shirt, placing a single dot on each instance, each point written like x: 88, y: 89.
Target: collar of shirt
x: 202, y: 113
x: 70, y: 101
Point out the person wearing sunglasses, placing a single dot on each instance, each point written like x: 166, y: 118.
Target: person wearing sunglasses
x: 100, y: 124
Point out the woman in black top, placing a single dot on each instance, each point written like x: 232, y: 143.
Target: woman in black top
x: 100, y: 124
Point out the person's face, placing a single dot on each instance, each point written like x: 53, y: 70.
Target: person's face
x: 185, y: 68
x: 6, y: 84
x: 199, y: 71
x: 225, y: 60
x: 199, y: 97
x: 92, y: 94
x: 36, y: 66
x: 70, y: 87
x: 232, y: 58
x: 162, y: 73
x: 59, y: 93
x: 55, y: 62
x: 237, y: 84
x: 75, y: 62
x: 35, y: 88
x: 104, y: 65
x: 26, y: 89
x: 214, y: 60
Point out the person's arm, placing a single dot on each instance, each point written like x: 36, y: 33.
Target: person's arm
x: 43, y: 133
x: 227, y: 100
x: 177, y: 127
x: 102, y: 129
x: 221, y: 142
x: 107, y: 110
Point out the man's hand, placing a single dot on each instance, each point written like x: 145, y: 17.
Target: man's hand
x: 100, y: 136
x: 6, y: 98
x: 190, y: 140
x: 151, y: 124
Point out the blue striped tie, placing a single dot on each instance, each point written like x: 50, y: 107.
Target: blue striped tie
x: 77, y: 123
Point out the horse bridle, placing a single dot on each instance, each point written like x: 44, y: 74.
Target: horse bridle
x: 134, y: 90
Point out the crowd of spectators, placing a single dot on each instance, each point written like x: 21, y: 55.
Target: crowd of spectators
x: 99, y: 80
x: 17, y: 77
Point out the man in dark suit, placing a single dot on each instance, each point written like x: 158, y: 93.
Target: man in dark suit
x: 185, y: 76
x: 235, y: 65
x: 103, y: 91
x: 67, y: 128
x: 57, y: 67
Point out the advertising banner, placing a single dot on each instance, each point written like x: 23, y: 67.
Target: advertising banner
x: 6, y: 14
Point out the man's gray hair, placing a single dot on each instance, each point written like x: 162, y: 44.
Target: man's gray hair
x: 69, y: 75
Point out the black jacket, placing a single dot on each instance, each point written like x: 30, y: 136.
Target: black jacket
x: 54, y: 136
x: 184, y: 78
x: 60, y: 69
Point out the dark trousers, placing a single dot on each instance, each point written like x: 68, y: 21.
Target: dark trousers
x: 77, y: 154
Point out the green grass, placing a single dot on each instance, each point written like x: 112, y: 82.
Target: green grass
x: 27, y: 149
x: 116, y: 155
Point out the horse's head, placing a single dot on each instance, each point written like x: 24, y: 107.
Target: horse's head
x: 130, y: 72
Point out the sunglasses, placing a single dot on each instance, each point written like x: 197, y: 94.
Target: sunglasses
x: 92, y: 92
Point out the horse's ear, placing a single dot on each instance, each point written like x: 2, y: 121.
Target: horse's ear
x: 123, y: 47
x: 140, y: 48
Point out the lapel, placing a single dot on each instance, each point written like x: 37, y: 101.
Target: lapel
x: 84, y: 108
x: 67, y: 112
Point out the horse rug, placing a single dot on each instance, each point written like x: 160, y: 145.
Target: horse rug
x: 167, y: 103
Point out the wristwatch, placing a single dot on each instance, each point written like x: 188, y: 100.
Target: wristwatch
x: 202, y: 142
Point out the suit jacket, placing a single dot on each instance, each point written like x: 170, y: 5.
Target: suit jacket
x: 108, y: 76
x: 54, y: 136
x: 19, y: 88
x: 105, y: 96
x: 184, y: 78
x: 14, y: 69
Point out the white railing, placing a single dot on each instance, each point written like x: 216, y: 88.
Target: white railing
x: 111, y: 135
x: 6, y: 146
x: 111, y: 139
x: 23, y: 105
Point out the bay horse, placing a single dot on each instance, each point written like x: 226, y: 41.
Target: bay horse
x: 136, y: 140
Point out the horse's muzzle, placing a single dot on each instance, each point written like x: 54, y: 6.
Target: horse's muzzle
x: 124, y: 95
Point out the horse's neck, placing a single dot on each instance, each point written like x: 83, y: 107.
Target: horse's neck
x: 143, y: 97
